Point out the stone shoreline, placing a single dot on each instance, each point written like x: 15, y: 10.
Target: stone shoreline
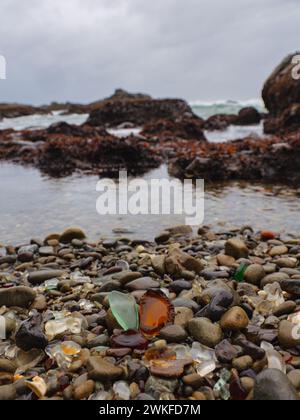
x: 234, y: 333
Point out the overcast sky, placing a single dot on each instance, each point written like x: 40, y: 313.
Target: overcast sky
x: 81, y: 50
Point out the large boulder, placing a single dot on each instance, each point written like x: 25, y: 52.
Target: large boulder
x: 281, y: 90
x: 287, y: 122
x: 138, y: 111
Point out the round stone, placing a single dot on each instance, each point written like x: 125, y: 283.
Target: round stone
x: 273, y: 385
x: 204, y: 331
x: 254, y: 274
x: 235, y: 319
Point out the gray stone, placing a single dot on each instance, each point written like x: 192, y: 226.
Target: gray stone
x: 226, y: 352
x: 291, y: 286
x: 278, y: 250
x: 294, y: 377
x: 46, y: 251
x: 173, y: 334
x: 72, y: 233
x: 273, y: 278
x: 8, y: 392
x: 236, y: 248
x: 143, y: 283
x: 38, y: 277
x: 254, y: 274
x: 30, y: 335
x: 17, y: 296
x: 286, y: 308
x: 288, y: 335
x: 273, y: 385
x: 109, y: 286
x: 204, y: 331
x: 102, y: 370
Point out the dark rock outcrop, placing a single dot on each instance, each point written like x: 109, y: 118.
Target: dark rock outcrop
x: 219, y: 121
x: 287, y: 122
x: 281, y: 90
x: 138, y: 111
x: 272, y: 159
x: 248, y: 116
x: 185, y: 128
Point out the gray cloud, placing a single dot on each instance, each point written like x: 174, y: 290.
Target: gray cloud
x: 81, y: 50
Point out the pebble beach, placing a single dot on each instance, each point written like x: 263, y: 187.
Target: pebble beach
x: 227, y: 330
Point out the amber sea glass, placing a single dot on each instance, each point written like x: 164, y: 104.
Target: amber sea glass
x: 156, y: 311
x: 156, y: 353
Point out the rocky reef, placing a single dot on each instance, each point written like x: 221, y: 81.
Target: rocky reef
x: 63, y: 149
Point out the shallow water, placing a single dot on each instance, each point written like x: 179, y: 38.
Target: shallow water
x: 235, y: 132
x: 41, y: 121
x: 33, y: 206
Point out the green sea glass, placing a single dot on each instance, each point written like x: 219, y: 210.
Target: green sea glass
x: 124, y: 309
x: 240, y: 273
x: 222, y: 386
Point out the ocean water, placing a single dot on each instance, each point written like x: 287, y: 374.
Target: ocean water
x: 207, y: 109
x: 33, y: 205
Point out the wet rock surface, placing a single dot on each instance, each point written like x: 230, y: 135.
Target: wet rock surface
x: 281, y: 94
x: 274, y: 385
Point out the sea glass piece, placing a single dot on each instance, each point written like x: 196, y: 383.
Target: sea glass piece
x: 240, y: 273
x: 122, y: 390
x: 222, y: 386
x: 10, y: 352
x: 79, y: 278
x: 237, y: 392
x: 204, y: 359
x: 274, y: 294
x: 166, y: 396
x: 38, y: 386
x: 294, y: 318
x: 275, y: 360
x: 124, y: 309
x: 164, y: 353
x: 51, y: 284
x: 131, y: 339
x: 28, y: 360
x: 63, y: 353
x: 122, y: 264
x: 182, y: 351
x: 102, y: 396
x: 156, y: 311
x: 201, y: 353
x: 57, y: 327
x: 205, y: 368
x: 86, y: 305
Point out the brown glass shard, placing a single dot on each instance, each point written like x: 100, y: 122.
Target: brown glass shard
x: 156, y: 311
x: 160, y: 354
